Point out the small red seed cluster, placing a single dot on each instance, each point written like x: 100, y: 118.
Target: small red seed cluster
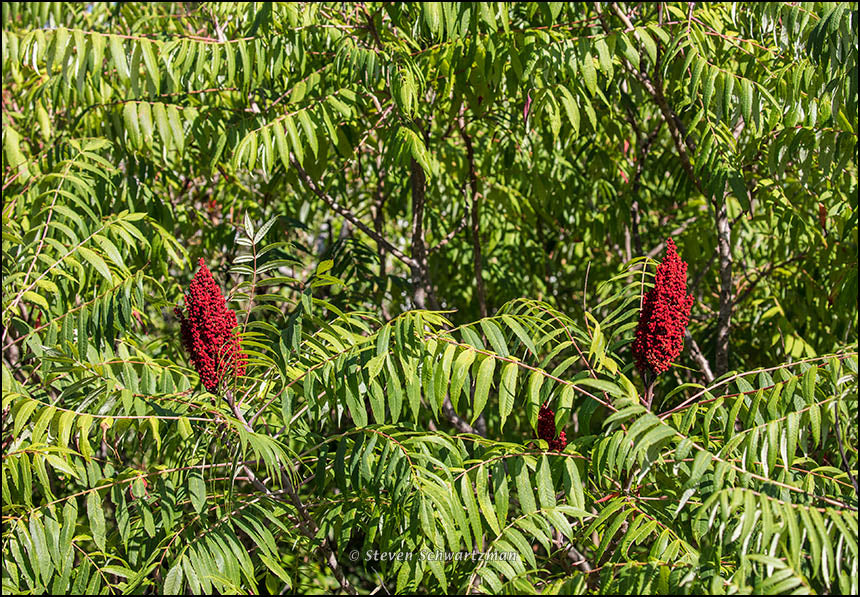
x: 546, y: 429
x: 207, y: 331
x: 664, y: 316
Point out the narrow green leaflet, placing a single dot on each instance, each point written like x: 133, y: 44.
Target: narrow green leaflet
x: 483, y: 381
x: 96, y: 516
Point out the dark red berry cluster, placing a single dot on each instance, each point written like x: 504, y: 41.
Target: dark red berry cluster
x: 664, y: 316
x: 207, y: 331
x: 546, y: 429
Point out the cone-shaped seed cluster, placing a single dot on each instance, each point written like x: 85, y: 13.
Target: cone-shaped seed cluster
x: 546, y: 429
x: 664, y: 316
x: 207, y: 331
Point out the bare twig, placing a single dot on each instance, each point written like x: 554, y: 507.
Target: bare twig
x: 650, y: 382
x: 371, y: 26
x: 724, y: 319
x: 699, y: 357
x: 424, y: 294
x: 674, y: 232
x: 349, y: 216
x: 456, y: 420
x: 759, y: 277
x: 475, y: 216
x: 578, y: 560
x: 378, y: 221
x: 643, y: 145
x: 450, y: 236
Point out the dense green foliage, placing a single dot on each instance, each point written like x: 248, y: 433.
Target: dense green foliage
x: 431, y: 219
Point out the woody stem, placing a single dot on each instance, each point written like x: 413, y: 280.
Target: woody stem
x: 649, y: 389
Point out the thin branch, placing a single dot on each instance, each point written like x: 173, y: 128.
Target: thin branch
x: 578, y: 560
x: 371, y: 26
x: 475, y: 216
x: 674, y: 232
x: 751, y: 286
x: 424, y: 293
x: 456, y: 420
x: 643, y: 144
x: 378, y: 221
x: 349, y: 216
x: 724, y: 319
x: 450, y: 236
x: 699, y: 356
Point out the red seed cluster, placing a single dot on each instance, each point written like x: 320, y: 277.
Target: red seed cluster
x: 546, y: 429
x: 664, y: 316
x: 207, y: 331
